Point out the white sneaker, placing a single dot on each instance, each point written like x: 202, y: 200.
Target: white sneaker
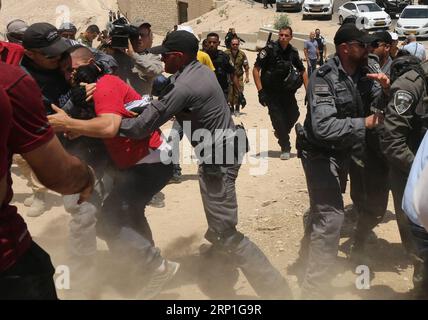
x: 158, y: 280
x: 29, y: 201
x: 285, y: 155
x: 38, y: 207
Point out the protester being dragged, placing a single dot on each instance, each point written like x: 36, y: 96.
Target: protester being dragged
x: 139, y: 174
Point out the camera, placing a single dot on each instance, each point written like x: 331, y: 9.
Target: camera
x: 120, y: 31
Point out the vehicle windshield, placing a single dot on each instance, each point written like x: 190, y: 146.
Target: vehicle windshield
x: 414, y: 14
x: 368, y: 7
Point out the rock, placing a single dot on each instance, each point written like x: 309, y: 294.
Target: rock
x: 268, y: 228
x: 268, y: 203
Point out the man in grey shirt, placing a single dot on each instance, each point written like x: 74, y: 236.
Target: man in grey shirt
x: 137, y: 67
x: 311, y: 53
x: 194, y: 95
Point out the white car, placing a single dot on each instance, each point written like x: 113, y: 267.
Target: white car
x: 413, y: 20
x: 368, y: 14
x: 318, y: 8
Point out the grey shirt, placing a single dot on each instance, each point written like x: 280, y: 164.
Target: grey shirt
x: 139, y: 71
x: 195, y: 95
x: 312, y: 47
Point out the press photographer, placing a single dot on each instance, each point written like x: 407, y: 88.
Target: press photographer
x: 129, y: 44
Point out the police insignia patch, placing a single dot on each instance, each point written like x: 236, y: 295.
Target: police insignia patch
x: 263, y: 54
x: 402, y: 101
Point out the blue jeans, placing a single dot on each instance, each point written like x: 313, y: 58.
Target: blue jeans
x: 312, y: 66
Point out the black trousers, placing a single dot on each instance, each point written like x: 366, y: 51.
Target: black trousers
x: 284, y: 113
x: 31, y: 278
x: 122, y: 222
x: 369, y: 192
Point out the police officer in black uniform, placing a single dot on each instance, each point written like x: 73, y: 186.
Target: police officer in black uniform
x: 224, y: 68
x: 405, y: 126
x: 334, y: 124
x: 278, y: 73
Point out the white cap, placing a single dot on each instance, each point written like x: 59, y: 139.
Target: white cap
x: 394, y: 36
x: 185, y: 28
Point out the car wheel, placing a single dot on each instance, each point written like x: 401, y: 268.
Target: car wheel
x: 329, y: 17
x: 340, y: 20
x: 304, y: 17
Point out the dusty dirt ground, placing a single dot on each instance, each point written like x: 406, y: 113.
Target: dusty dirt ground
x: 271, y: 208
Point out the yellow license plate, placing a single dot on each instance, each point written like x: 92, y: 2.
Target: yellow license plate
x: 380, y: 23
x: 410, y: 32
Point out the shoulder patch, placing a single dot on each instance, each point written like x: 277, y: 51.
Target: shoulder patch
x: 403, y: 100
x: 323, y: 70
x: 262, y: 54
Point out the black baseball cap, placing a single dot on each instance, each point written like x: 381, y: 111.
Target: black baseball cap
x: 382, y: 36
x: 350, y: 32
x: 181, y: 41
x: 44, y: 37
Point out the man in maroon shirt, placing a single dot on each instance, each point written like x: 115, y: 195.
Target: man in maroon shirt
x: 26, y: 271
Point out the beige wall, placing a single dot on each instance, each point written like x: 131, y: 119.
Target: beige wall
x: 198, y: 7
x: 162, y: 14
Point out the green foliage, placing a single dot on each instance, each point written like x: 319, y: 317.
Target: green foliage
x: 282, y: 21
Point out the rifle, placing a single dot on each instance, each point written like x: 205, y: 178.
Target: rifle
x: 269, y: 40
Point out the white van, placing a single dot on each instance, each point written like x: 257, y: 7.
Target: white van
x: 318, y: 8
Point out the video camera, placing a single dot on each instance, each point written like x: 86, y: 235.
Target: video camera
x: 120, y: 31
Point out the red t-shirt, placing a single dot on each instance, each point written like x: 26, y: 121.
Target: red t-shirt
x: 11, y: 53
x: 110, y: 97
x: 30, y: 130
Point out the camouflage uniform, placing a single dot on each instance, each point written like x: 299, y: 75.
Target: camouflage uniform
x: 240, y: 63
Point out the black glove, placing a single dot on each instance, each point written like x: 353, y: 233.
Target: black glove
x: 241, y: 100
x: 306, y: 100
x: 262, y: 98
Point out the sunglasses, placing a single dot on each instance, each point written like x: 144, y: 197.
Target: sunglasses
x: 377, y: 44
x: 167, y: 54
x: 360, y: 44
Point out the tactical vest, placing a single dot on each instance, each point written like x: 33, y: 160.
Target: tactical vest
x: 348, y: 103
x: 280, y: 75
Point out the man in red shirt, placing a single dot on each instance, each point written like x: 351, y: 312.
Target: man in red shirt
x: 11, y: 53
x: 122, y: 222
x: 26, y: 271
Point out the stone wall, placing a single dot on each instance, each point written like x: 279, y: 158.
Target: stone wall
x: 163, y: 14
